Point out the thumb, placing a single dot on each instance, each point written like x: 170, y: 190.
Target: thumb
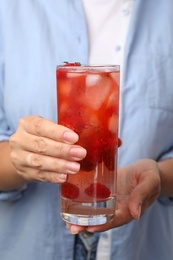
x: 136, y: 200
x: 143, y: 195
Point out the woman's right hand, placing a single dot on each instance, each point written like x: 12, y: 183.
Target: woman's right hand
x: 42, y: 150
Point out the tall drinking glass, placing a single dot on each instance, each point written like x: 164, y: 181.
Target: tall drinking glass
x: 88, y: 103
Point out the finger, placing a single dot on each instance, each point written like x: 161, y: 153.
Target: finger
x: 45, y: 163
x: 143, y: 196
x: 43, y: 127
x: 43, y: 176
x: 122, y: 217
x: 45, y: 146
x: 75, y: 229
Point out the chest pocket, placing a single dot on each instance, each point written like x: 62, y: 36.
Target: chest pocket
x: 161, y: 78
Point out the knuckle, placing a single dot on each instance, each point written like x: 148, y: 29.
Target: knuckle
x: 53, y: 132
x: 52, y: 178
x: 60, y: 149
x: 41, y: 176
x: 24, y: 174
x: 35, y: 161
x: 58, y: 166
x: 53, y: 165
x: 57, y: 178
x: 40, y: 145
x: 38, y: 125
x: 62, y: 177
x: 21, y: 121
x: 12, y: 156
x: 12, y: 140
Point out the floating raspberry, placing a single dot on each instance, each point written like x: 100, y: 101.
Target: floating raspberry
x: 87, y: 165
x: 69, y: 190
x: 98, y: 190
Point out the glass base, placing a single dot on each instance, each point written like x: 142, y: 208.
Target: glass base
x: 87, y: 214
x: 86, y: 220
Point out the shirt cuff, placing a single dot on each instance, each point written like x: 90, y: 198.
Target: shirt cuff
x: 166, y: 201
x: 12, y: 195
x: 166, y: 156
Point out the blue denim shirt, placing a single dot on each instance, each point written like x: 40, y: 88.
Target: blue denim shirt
x: 37, y: 35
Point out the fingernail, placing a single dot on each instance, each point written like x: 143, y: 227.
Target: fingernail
x: 73, y: 167
x: 78, y: 152
x: 70, y: 137
x: 63, y: 176
x: 73, y: 231
x: 60, y: 178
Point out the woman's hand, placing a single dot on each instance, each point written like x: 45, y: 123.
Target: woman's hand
x: 45, y: 151
x: 138, y: 186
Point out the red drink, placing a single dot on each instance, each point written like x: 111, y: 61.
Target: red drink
x: 88, y: 103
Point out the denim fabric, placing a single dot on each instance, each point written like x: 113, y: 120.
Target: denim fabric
x: 86, y: 246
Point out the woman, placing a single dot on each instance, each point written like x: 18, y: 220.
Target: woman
x: 36, y: 154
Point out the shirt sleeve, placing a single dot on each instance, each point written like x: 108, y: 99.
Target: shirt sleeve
x: 5, y: 131
x: 4, y: 136
x: 167, y: 155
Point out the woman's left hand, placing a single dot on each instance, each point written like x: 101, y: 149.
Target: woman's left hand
x: 138, y: 186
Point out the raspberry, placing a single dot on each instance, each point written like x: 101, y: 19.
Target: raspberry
x: 98, y: 190
x: 69, y: 190
x: 61, y: 73
x: 66, y: 63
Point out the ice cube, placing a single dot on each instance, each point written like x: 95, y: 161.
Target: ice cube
x: 92, y: 79
x: 116, y: 77
x: 97, y: 91
x: 72, y: 74
x: 63, y: 108
x: 94, y: 121
x: 65, y: 89
x: 113, y: 123
x: 113, y: 99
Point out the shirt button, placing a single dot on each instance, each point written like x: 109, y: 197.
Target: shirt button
x: 126, y: 12
x: 117, y: 48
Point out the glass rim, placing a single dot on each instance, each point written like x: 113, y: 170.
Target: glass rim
x: 89, y: 67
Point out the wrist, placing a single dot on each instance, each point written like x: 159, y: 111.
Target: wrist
x: 166, y: 177
x: 12, y: 181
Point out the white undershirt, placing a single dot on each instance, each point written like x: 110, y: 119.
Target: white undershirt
x: 107, y: 22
